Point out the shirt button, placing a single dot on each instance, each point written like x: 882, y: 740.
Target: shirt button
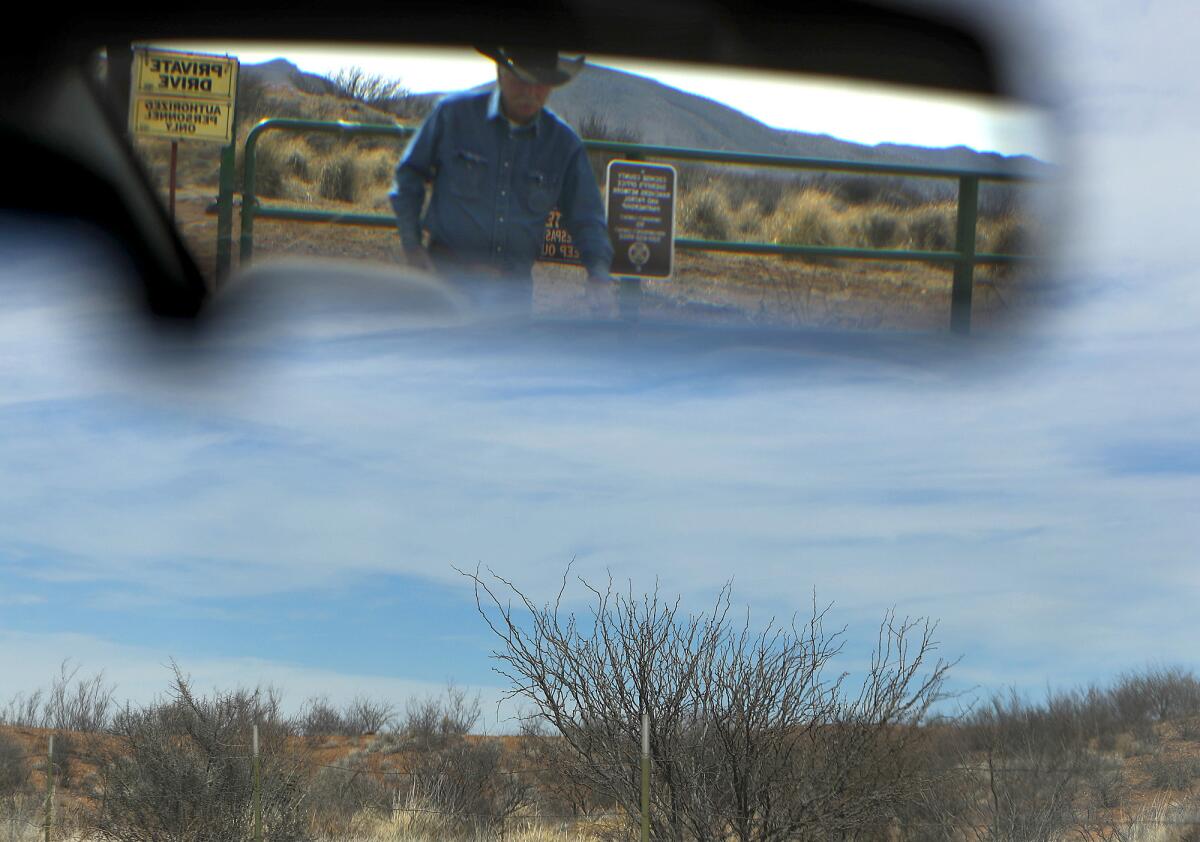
x: 503, y: 192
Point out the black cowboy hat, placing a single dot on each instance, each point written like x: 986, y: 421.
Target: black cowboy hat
x: 536, y: 65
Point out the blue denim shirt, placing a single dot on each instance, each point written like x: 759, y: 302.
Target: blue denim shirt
x: 494, y: 185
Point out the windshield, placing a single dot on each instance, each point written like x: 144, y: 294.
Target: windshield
x: 846, y: 497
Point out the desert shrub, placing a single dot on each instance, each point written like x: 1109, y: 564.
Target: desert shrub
x: 295, y: 163
x: 808, y: 219
x: 770, y: 194
x: 14, y: 771
x: 271, y: 167
x: 69, y: 703
x: 1107, y: 787
x: 181, y: 770
x: 432, y: 722
x: 756, y: 744
x: 321, y: 143
x: 744, y: 190
x: 340, y: 179
x: 932, y: 228
x: 467, y: 783
x: 370, y: 89
x: 338, y: 794
x: 878, y: 229
x: 876, y: 190
x: 1189, y: 729
x: 63, y: 751
x: 362, y: 715
x: 1008, y: 236
x: 319, y: 718
x: 547, y: 761
x: 1157, y: 694
x: 1172, y: 773
x: 999, y: 200
x: 705, y: 215
x: 1035, y: 764
x: 365, y: 715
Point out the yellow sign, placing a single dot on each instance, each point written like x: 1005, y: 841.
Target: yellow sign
x: 183, y: 96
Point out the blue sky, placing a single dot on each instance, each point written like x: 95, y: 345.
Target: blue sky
x: 287, y: 503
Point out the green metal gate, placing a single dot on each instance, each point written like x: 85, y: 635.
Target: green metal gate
x: 964, y: 257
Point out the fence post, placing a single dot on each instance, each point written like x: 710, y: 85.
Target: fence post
x: 257, y: 792
x: 49, y: 787
x: 964, y: 244
x: 249, y: 200
x: 225, y: 210
x: 645, y: 776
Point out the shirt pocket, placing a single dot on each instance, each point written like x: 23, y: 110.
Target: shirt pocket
x: 542, y: 192
x: 466, y: 174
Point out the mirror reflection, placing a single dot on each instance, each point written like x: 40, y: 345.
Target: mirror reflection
x: 739, y: 197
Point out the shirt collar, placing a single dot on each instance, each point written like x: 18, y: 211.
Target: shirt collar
x: 494, y: 113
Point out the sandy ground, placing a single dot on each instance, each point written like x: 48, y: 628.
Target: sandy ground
x: 736, y: 289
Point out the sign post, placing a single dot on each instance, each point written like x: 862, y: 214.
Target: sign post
x: 188, y: 96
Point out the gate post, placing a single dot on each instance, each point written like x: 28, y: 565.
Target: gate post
x: 964, y: 244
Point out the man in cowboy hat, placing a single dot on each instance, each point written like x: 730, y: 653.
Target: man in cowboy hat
x: 498, y: 162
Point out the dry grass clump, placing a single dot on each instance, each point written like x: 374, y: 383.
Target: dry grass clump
x: 1176, y: 773
x: 706, y: 215
x: 931, y: 228
x: 289, y: 167
x: 340, y: 178
x: 811, y: 215
x: 411, y: 822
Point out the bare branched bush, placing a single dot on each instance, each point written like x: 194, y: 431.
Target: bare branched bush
x: 182, y: 770
x: 362, y: 715
x: 1157, y: 694
x: 750, y: 740
x: 14, y: 771
x: 1176, y: 773
x: 365, y: 715
x: 1034, y: 766
x: 466, y: 782
x: 339, y: 794
x: 70, y: 703
x: 24, y: 711
x: 433, y: 722
x: 368, y: 88
x: 319, y: 718
x: 543, y: 757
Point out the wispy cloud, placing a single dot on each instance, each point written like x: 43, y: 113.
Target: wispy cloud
x: 1035, y: 496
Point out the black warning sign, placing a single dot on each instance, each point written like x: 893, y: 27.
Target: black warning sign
x: 641, y: 218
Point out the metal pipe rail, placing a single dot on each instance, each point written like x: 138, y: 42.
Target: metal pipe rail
x: 964, y: 256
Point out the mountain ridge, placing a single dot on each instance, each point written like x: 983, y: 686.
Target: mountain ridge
x: 661, y: 115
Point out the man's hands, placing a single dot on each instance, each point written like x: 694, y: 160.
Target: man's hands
x: 600, y: 293
x: 418, y: 258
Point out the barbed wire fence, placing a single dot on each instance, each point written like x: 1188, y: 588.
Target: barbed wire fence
x: 1095, y: 824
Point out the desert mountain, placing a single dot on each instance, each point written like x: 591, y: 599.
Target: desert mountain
x: 658, y: 114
